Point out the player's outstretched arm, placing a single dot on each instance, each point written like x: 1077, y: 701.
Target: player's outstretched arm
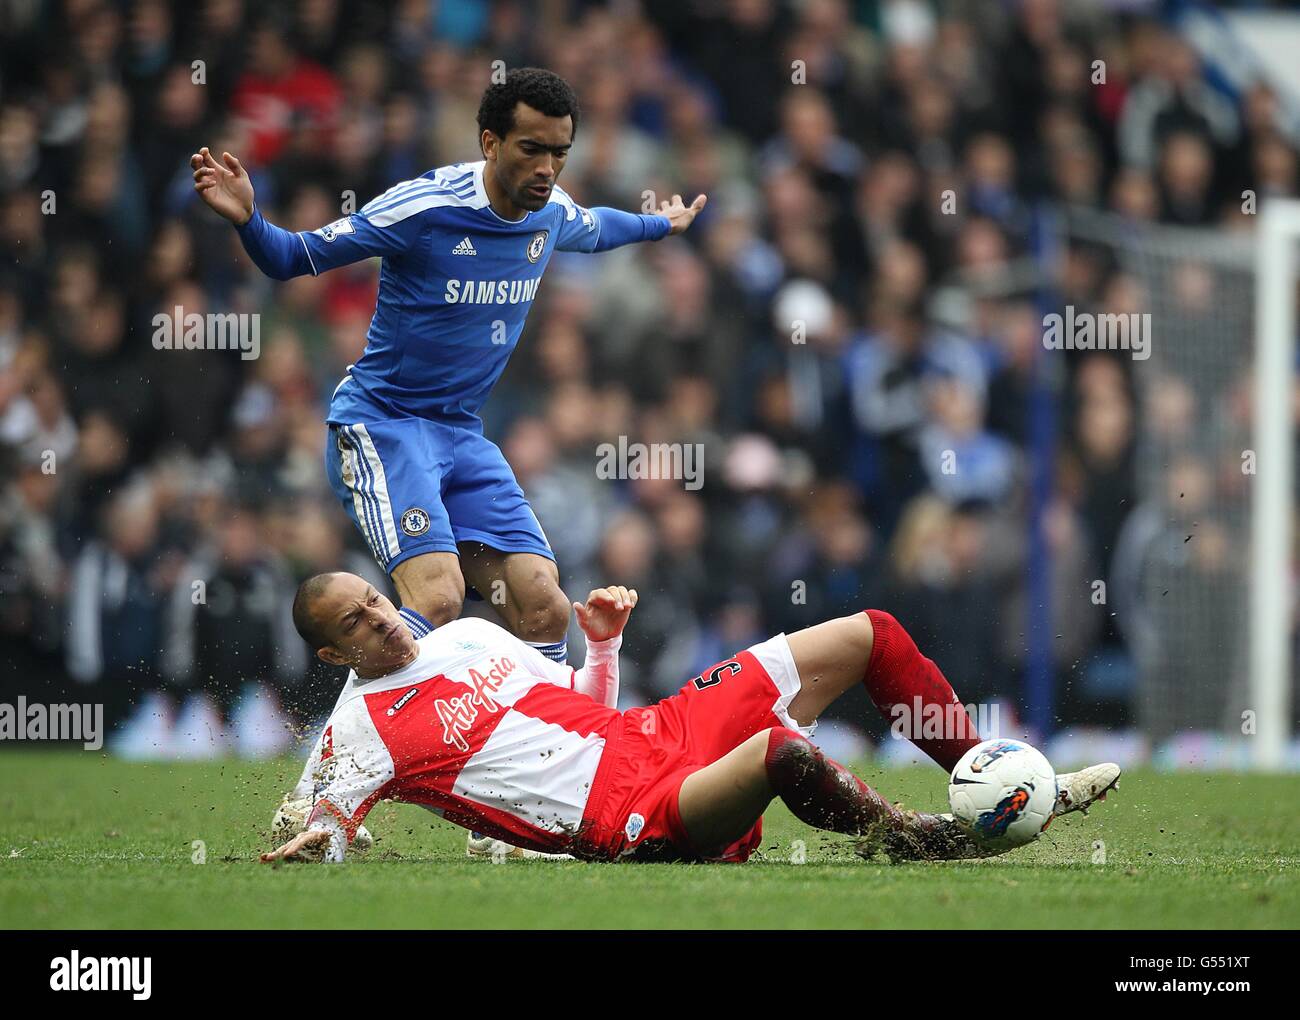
x: 282, y: 254
x: 227, y: 189
x: 602, y: 620
x: 603, y: 229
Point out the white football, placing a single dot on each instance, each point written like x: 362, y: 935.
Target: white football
x: 1003, y: 792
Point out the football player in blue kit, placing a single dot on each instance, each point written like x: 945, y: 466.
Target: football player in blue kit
x: 463, y: 248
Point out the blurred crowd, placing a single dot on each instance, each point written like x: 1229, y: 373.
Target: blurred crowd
x: 852, y: 330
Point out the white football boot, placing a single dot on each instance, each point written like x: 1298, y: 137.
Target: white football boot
x: 1078, y: 791
x: 480, y: 846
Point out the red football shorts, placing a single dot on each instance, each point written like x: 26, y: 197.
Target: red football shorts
x: 632, y: 811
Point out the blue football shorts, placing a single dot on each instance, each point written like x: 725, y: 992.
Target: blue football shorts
x: 415, y: 486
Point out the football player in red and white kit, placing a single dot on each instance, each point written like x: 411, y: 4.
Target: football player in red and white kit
x: 482, y: 729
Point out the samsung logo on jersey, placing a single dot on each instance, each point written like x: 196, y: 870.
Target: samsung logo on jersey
x: 490, y: 292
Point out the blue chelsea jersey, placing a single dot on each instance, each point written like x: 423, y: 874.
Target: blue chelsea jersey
x: 455, y: 287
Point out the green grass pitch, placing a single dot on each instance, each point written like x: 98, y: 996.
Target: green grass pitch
x: 87, y: 841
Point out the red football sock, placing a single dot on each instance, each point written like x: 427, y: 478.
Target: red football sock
x: 898, y: 674
x: 819, y: 791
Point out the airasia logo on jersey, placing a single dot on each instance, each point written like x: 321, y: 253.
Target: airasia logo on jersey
x: 459, y: 714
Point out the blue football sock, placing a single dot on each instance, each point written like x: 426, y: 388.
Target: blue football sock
x: 557, y: 651
x: 415, y: 623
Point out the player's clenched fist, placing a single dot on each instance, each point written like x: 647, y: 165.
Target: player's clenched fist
x: 225, y: 186
x: 606, y: 612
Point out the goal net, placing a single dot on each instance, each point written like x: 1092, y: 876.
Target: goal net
x: 1198, y: 574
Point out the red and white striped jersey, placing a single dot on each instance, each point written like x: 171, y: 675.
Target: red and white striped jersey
x: 480, y: 728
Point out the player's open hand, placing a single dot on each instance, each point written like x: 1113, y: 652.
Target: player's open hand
x: 681, y: 215
x: 225, y: 186
x: 606, y: 612
x: 306, y: 846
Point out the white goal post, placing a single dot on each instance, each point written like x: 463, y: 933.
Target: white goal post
x: 1271, y: 509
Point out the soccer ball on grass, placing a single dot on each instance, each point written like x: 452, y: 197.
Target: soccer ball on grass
x: 1003, y: 792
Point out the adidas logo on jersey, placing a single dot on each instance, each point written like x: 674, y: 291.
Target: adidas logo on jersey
x: 466, y: 247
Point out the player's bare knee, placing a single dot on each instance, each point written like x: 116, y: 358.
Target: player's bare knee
x: 440, y: 606
x: 438, y: 597
x: 862, y: 634
x: 432, y: 585
x: 544, y: 614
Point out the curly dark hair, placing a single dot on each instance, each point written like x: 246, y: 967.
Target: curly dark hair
x: 545, y: 91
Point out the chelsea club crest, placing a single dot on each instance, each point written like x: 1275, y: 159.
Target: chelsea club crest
x: 537, y: 245
x: 415, y: 522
